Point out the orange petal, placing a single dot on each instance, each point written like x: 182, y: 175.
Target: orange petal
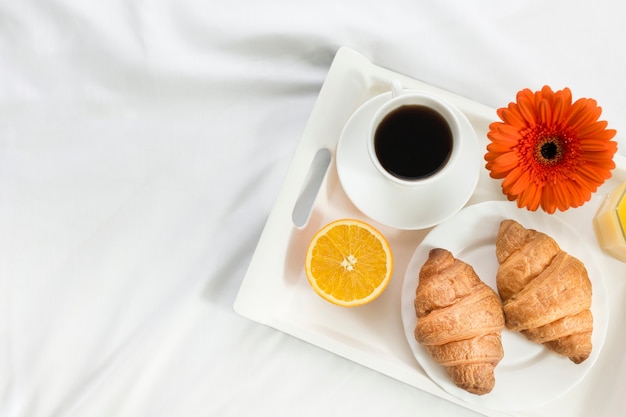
x: 590, y: 174
x: 507, y: 161
x: 563, y: 194
x: 576, y: 193
x: 516, y: 181
x: 545, y: 113
x: 601, y: 157
x: 547, y: 199
x: 531, y: 196
x: 547, y: 93
x: 582, y: 113
x: 527, y: 109
x: 594, y: 145
x: 592, y: 129
x: 559, y: 108
x: 500, y: 146
x: 512, y: 116
x: 498, y: 135
x: 512, y: 132
x: 603, y: 135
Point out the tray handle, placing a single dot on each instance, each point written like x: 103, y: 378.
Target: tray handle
x: 304, y: 204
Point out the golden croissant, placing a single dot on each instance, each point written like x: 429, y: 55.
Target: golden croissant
x: 460, y: 321
x: 546, y: 292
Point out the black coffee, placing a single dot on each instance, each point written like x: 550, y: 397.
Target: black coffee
x: 413, y: 142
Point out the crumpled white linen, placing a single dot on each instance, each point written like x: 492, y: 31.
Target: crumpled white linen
x: 142, y: 146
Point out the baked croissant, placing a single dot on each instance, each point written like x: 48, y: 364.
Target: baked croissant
x: 460, y: 321
x: 546, y: 292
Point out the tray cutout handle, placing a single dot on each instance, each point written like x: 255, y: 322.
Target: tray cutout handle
x: 315, y: 176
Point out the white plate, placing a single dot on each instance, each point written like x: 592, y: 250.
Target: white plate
x: 529, y: 375
x: 407, y: 208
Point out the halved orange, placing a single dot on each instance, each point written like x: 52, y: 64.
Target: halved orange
x: 349, y: 262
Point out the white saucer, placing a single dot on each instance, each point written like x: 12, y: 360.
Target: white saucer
x: 529, y: 375
x: 409, y: 208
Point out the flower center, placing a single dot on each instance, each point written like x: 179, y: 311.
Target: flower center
x: 549, y: 150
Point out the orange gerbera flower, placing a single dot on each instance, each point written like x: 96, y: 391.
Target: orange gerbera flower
x: 551, y: 152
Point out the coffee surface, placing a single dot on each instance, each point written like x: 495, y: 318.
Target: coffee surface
x: 413, y: 142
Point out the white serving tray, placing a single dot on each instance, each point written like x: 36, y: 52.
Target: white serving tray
x: 275, y: 291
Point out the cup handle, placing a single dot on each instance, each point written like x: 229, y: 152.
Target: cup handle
x: 396, y: 88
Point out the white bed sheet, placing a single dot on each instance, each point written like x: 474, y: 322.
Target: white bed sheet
x: 142, y: 146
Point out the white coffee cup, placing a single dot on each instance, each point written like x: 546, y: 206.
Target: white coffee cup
x: 414, y: 138
x: 425, y: 195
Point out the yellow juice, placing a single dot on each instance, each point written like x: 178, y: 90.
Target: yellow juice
x: 610, y: 223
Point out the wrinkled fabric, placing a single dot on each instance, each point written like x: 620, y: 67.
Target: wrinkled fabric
x: 142, y: 146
